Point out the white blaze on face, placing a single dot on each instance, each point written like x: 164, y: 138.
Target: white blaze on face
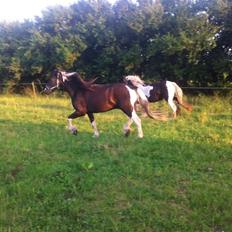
x: 171, y: 93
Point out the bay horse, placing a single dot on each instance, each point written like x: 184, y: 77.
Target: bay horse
x: 157, y: 91
x: 88, y: 98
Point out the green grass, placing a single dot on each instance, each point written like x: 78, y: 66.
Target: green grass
x: 177, y: 178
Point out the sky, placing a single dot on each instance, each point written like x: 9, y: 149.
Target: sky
x: 18, y: 10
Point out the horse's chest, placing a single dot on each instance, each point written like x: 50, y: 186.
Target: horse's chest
x: 79, y: 103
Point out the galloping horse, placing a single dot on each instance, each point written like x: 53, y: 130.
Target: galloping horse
x: 88, y: 98
x: 157, y: 91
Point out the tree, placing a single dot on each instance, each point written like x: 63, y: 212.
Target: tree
x: 188, y: 41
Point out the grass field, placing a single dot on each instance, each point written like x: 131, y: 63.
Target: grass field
x: 177, y: 178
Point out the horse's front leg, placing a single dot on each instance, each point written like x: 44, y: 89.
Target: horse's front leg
x: 93, y: 123
x: 127, y: 128
x: 133, y: 117
x: 72, y: 116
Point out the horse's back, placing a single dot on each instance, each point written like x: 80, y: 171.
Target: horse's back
x: 104, y: 97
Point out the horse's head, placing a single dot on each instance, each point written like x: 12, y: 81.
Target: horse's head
x: 57, y: 80
x: 133, y: 80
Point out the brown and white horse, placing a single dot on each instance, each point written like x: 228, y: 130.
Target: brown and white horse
x: 157, y: 91
x: 88, y: 98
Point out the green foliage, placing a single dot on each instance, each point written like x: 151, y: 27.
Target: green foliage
x: 187, y: 41
x: 177, y: 178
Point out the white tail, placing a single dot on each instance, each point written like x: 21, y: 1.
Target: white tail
x: 178, y: 93
x: 179, y: 97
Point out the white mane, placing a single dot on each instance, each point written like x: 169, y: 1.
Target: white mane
x: 135, y: 80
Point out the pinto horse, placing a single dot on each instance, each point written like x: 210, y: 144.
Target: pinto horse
x: 157, y: 91
x: 88, y: 98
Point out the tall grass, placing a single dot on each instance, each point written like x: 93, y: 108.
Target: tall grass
x: 177, y: 178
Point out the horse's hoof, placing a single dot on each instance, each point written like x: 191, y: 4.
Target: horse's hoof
x: 127, y: 133
x: 96, y: 136
x: 74, y: 132
x: 140, y: 136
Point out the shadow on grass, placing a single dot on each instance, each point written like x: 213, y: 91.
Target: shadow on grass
x: 51, y: 106
x: 149, y: 184
x: 221, y: 116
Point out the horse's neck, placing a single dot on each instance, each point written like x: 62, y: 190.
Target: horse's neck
x: 70, y: 90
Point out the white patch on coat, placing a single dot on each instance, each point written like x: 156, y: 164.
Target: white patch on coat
x: 171, y: 94
x: 171, y: 89
x: 133, y: 98
x: 146, y: 89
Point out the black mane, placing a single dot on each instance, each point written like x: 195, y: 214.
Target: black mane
x: 80, y: 83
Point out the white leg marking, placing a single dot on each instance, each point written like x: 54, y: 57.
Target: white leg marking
x: 171, y: 93
x: 126, y: 127
x: 133, y: 98
x: 96, y: 133
x: 72, y: 128
x: 173, y: 106
x: 137, y: 121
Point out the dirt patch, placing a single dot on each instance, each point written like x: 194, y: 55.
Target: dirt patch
x: 158, y: 115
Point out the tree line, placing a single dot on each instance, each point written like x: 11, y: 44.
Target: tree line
x: 187, y: 41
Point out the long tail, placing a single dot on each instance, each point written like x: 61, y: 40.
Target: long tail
x: 144, y: 102
x: 145, y: 106
x: 179, y: 98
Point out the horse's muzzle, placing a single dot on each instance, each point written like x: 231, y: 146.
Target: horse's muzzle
x: 47, y: 90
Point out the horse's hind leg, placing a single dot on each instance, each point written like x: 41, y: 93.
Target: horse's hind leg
x: 137, y: 121
x: 93, y: 123
x: 173, y: 106
x: 178, y: 109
